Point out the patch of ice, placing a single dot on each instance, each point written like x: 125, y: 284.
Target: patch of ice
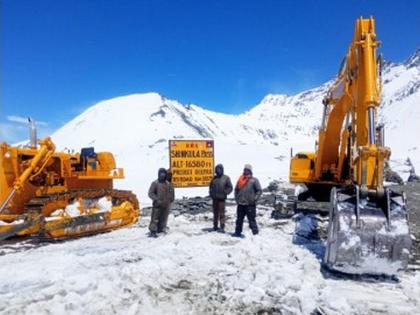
x: 352, y: 241
x: 300, y: 189
x: 13, y: 222
x: 104, y: 204
x: 48, y: 219
x: 372, y: 264
x: 73, y: 209
x: 57, y: 213
x: 345, y: 222
x: 305, y: 225
x: 398, y: 227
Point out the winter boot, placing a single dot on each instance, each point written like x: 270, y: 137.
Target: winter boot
x: 238, y: 235
x: 152, y: 234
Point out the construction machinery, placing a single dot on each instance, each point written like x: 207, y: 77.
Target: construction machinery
x: 57, y: 195
x: 368, y: 230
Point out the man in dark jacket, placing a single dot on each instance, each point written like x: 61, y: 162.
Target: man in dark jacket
x: 220, y: 187
x: 162, y: 193
x: 247, y: 192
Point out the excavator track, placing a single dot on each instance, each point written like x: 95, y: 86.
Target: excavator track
x: 37, y: 223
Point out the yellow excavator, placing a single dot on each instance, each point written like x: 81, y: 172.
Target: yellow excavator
x: 368, y: 230
x: 57, y: 195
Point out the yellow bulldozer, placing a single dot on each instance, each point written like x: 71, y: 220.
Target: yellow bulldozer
x: 368, y: 228
x: 57, y: 195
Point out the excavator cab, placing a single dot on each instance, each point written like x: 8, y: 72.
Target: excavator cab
x: 302, y: 166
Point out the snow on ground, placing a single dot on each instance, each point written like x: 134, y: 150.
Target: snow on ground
x: 191, y: 271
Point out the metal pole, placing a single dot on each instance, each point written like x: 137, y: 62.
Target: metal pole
x: 371, y: 114
x: 33, y: 141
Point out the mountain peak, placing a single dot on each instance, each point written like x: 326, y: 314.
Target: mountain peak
x: 274, y: 99
x: 145, y: 100
x: 413, y: 60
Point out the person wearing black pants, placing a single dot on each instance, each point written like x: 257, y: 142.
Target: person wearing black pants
x: 247, y: 192
x: 250, y: 212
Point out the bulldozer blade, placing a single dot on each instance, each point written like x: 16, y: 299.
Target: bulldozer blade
x: 15, y: 229
x: 364, y: 238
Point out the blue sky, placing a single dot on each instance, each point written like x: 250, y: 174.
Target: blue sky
x: 60, y: 57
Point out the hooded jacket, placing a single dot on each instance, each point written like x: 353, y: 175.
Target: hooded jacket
x: 162, y: 193
x: 220, y: 187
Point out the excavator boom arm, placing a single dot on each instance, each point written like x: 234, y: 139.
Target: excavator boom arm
x: 368, y: 230
x: 355, y: 94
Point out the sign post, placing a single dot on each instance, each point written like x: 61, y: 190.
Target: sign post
x: 191, y: 162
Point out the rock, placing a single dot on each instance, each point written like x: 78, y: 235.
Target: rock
x: 413, y: 178
x: 192, y: 206
x: 183, y: 284
x: 391, y: 176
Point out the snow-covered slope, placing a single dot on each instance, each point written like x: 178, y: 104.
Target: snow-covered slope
x: 400, y: 111
x: 136, y: 129
x: 190, y: 271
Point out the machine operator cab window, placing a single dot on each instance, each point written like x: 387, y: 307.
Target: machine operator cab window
x: 88, y: 159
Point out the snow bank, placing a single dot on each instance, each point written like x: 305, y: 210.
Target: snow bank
x: 190, y: 271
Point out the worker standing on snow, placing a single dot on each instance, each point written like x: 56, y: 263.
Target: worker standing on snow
x: 220, y: 187
x: 162, y: 193
x: 247, y: 192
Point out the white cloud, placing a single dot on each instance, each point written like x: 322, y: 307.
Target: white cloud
x: 15, y: 132
x: 12, y: 132
x: 24, y: 120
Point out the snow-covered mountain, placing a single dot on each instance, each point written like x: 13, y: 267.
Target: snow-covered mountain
x: 136, y: 129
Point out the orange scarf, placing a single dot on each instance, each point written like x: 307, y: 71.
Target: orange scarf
x: 242, y: 181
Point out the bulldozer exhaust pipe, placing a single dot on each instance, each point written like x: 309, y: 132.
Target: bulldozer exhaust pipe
x: 33, y: 140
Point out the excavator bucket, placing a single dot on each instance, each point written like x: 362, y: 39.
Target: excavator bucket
x: 364, y: 238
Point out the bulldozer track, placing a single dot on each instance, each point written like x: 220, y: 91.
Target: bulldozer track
x: 37, y: 204
x: 35, y: 211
